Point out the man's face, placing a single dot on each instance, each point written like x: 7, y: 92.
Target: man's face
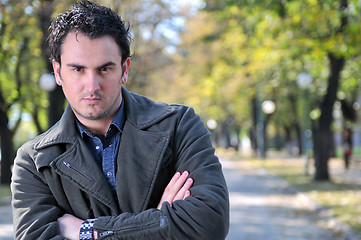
x: 91, y: 75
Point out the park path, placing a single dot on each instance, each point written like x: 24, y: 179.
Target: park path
x: 6, y: 228
x: 264, y: 207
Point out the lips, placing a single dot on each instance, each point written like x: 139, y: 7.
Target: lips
x: 92, y: 98
x: 92, y: 101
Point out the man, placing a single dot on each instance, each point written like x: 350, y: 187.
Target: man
x: 117, y: 165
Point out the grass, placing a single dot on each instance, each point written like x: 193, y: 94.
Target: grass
x: 340, y: 194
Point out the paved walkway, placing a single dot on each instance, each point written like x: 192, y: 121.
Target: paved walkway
x: 6, y: 227
x: 263, y: 207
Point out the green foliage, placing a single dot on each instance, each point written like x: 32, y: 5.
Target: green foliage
x: 237, y: 48
x: 20, y: 54
x: 231, y: 50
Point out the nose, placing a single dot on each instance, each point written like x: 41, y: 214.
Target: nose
x: 92, y: 83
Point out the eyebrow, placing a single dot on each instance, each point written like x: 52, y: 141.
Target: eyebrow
x: 75, y: 65
x: 110, y: 63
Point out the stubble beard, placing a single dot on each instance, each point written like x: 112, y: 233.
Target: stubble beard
x: 99, y: 114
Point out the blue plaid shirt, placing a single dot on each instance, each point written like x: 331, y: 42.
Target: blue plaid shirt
x: 105, y: 148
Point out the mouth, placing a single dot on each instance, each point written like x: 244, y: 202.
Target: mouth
x: 91, y: 100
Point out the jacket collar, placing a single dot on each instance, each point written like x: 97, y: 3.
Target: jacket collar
x: 141, y: 112
x: 63, y: 131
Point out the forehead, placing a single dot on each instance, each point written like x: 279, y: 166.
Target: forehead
x: 79, y: 47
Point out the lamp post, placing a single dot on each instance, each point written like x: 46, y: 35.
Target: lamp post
x: 212, y: 125
x: 304, y: 80
x: 268, y: 107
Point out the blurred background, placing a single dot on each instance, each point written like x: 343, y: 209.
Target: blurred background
x: 264, y: 75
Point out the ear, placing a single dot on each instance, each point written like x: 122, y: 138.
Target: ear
x: 56, y: 67
x: 126, y: 66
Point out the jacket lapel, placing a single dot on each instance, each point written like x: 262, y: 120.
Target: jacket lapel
x: 141, y: 151
x: 139, y: 160
x: 74, y: 161
x: 79, y: 166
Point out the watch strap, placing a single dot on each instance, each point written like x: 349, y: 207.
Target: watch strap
x: 86, y: 230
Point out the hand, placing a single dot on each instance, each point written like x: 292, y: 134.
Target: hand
x: 177, y: 189
x: 69, y: 226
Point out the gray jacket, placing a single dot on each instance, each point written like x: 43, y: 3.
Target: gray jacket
x: 55, y: 174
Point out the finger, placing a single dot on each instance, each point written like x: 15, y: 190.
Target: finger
x: 166, y: 196
x: 181, y: 193
x: 187, y: 194
x: 174, y: 179
x: 173, y: 188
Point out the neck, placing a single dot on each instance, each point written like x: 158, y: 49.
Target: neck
x: 96, y: 126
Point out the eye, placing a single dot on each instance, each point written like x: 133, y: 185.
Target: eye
x: 77, y: 69
x: 104, y: 69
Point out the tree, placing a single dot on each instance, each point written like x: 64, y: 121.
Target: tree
x: 56, y: 97
x: 262, y: 46
x: 332, y: 32
x: 16, y: 77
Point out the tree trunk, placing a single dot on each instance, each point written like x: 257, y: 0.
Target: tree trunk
x: 56, y: 106
x: 253, y: 131
x: 321, y: 153
x: 278, y: 139
x: 296, y: 122
x: 322, y: 136
x: 56, y: 97
x: 265, y: 134
x: 237, y: 130
x: 226, y: 135
x: 7, y: 149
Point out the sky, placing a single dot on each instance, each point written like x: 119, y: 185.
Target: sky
x: 169, y: 30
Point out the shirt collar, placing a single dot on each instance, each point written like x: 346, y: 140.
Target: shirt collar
x: 117, y: 122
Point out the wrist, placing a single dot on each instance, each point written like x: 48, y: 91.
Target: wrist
x: 86, y: 230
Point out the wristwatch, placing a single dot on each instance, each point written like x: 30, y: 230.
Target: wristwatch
x: 86, y: 230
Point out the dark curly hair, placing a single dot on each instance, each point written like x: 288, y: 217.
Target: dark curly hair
x: 92, y: 20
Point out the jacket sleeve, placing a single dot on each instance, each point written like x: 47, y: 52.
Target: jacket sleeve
x: 203, y: 215
x: 34, y: 213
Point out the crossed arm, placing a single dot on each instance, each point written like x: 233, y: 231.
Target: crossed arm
x: 177, y: 189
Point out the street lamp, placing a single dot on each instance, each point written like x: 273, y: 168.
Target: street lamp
x: 47, y: 82
x: 304, y: 80
x: 212, y: 125
x: 268, y: 107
